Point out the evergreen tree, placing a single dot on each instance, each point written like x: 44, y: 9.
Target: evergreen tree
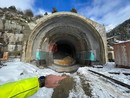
x: 54, y: 10
x: 46, y: 13
x: 12, y: 8
x: 73, y: 10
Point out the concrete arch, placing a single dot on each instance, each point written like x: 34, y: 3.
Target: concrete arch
x: 67, y: 29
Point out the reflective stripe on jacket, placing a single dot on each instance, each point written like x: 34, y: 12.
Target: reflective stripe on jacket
x: 20, y: 89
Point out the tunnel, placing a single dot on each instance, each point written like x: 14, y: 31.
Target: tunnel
x: 64, y: 51
x: 67, y: 41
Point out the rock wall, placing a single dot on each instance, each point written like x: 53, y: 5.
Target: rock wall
x: 13, y: 27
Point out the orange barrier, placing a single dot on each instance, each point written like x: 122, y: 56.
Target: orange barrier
x: 5, y: 56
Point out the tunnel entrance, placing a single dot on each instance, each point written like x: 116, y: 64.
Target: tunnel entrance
x: 64, y: 53
x: 77, y: 40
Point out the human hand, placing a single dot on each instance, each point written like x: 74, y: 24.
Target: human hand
x: 52, y: 81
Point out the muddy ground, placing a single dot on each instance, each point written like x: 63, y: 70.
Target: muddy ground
x: 69, y: 84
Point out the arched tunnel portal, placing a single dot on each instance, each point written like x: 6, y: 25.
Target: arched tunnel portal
x: 68, y: 41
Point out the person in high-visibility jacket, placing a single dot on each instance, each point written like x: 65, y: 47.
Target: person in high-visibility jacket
x: 27, y: 87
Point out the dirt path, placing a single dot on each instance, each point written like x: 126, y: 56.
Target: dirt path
x: 72, y: 85
x: 85, y: 85
x: 64, y: 89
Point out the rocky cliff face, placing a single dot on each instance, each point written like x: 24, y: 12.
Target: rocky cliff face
x: 119, y: 33
x: 14, y: 28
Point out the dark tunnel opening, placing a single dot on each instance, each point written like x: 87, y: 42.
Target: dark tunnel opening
x: 65, y: 53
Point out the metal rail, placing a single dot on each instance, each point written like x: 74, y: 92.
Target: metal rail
x: 119, y: 73
x: 114, y: 80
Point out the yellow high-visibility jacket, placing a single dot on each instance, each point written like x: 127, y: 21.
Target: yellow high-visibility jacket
x: 20, y: 89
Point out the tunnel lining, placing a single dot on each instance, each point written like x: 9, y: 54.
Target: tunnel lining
x: 75, y: 40
x: 41, y: 30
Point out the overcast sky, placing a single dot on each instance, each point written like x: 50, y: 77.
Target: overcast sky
x: 107, y: 12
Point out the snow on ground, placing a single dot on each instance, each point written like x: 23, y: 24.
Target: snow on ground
x: 18, y: 70
x: 101, y: 88
x: 110, y: 67
x: 86, y: 84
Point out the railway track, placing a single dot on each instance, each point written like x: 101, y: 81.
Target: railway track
x: 111, y: 79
